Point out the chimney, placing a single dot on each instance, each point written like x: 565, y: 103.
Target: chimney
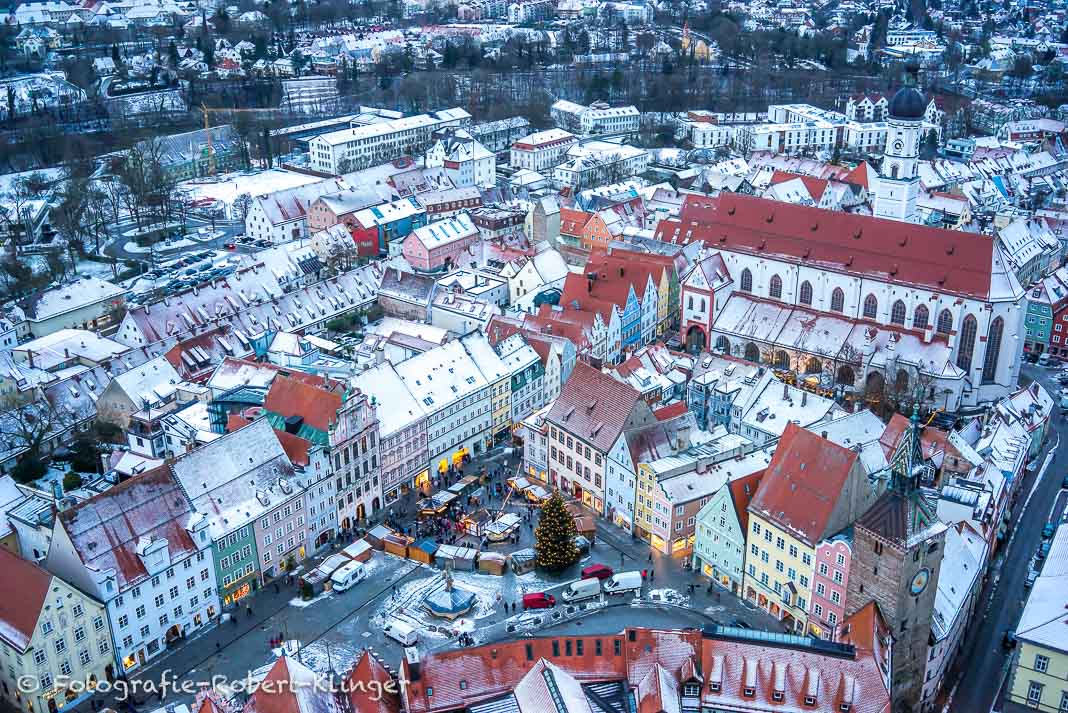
x: 804, y: 398
x: 30, y: 353
x: 823, y: 435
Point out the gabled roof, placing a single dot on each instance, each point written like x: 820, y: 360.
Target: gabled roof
x: 944, y: 260
x: 593, y: 406
x: 107, y: 528
x: 290, y: 397
x: 802, y: 483
x: 742, y: 491
x: 291, y: 687
x: 27, y: 591
x: 362, y: 694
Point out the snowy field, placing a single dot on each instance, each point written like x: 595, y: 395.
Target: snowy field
x: 231, y: 185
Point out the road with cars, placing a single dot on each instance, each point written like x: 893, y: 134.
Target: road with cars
x: 986, y: 653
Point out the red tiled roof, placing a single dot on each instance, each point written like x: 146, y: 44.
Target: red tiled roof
x: 944, y: 260
x: 573, y: 221
x: 465, y: 677
x: 803, y: 482
x: 932, y: 440
x: 27, y: 591
x: 294, y: 446
x: 106, y: 528
x: 616, y: 273
x: 814, y: 186
x: 289, y: 397
x: 366, y: 679
x: 593, y: 406
x: 742, y: 491
x: 859, y: 176
x: 666, y: 413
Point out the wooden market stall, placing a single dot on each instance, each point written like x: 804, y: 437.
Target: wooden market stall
x: 455, y: 557
x: 492, y: 563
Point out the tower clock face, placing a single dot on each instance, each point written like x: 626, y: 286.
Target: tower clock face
x: 919, y: 582
x: 898, y: 145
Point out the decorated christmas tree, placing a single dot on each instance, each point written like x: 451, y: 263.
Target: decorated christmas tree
x: 554, y: 539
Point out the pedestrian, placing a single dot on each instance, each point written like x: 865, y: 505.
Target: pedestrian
x: 652, y: 574
x: 218, y: 647
x: 276, y: 588
x: 248, y: 609
x: 621, y: 558
x: 650, y: 558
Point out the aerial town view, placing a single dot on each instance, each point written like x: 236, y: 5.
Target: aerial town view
x: 533, y: 356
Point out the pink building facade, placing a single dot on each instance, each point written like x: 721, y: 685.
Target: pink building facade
x: 829, y: 581
x: 440, y: 244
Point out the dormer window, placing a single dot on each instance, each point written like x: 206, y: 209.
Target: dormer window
x: 749, y: 692
x: 691, y: 690
x: 777, y: 695
x: 810, y: 700
x: 715, y: 687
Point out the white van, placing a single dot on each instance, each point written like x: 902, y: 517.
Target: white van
x: 624, y: 582
x: 400, y: 632
x: 582, y: 589
x: 348, y: 575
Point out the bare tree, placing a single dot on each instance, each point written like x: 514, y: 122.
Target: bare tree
x: 27, y: 428
x: 149, y: 188
x: 16, y: 206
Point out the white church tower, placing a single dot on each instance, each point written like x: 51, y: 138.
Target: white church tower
x: 899, y: 180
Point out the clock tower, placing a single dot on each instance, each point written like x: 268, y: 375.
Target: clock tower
x: 899, y: 178
x: 897, y: 553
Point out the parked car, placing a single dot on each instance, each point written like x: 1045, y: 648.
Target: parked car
x: 741, y: 624
x: 1043, y: 550
x: 1029, y: 580
x: 400, y: 632
x: 230, y: 246
x: 538, y: 600
x: 582, y: 544
x: 582, y: 589
x: 1064, y: 482
x: 1008, y: 639
x: 1048, y: 530
x: 597, y: 571
x: 348, y: 575
x: 623, y: 582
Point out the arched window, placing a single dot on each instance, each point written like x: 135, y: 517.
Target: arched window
x: 689, y: 302
x: 993, y: 351
x: 813, y: 366
x: 752, y: 352
x: 920, y: 317
x: 806, y: 293
x: 702, y: 304
x: 897, y: 313
x: 893, y: 170
x: 723, y: 345
x: 775, y: 288
x: 901, y: 383
x: 782, y: 360
x: 747, y: 280
x: 837, y: 300
x: 967, y: 344
x: 845, y: 376
x: 945, y: 322
x: 871, y: 306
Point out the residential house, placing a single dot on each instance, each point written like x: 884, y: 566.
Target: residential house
x: 440, y: 245
x: 86, y: 303
x: 53, y: 635
x: 721, y: 528
x: 587, y: 443
x: 811, y: 490
x: 142, y: 550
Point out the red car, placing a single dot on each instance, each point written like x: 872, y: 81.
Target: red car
x: 230, y: 246
x: 597, y: 571
x: 538, y: 600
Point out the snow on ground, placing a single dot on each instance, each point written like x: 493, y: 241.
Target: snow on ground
x: 302, y: 603
x: 132, y: 247
x: 670, y: 596
x: 408, y: 604
x: 231, y: 185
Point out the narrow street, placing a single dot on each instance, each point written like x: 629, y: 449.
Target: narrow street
x: 1001, y: 601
